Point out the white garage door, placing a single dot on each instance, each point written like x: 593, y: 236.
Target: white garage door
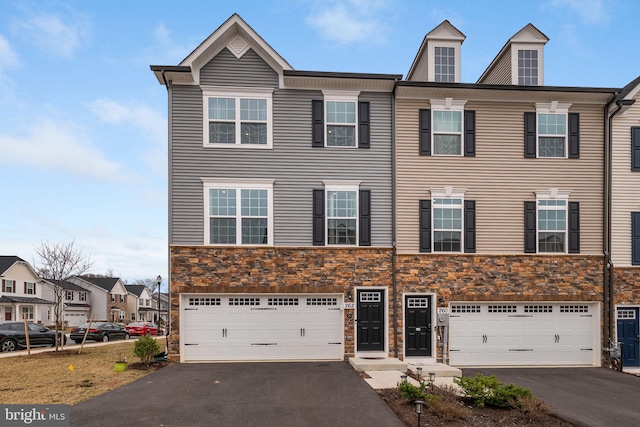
x: 261, y: 327
x: 512, y: 334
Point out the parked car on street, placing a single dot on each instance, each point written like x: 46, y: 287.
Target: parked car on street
x: 13, y: 337
x: 99, y: 331
x: 143, y: 328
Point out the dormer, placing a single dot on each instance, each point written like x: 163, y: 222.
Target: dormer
x: 520, y: 61
x: 438, y: 59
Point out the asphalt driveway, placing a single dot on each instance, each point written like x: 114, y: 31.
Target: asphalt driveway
x: 585, y: 396
x: 241, y: 394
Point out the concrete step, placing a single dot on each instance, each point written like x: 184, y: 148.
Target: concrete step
x: 440, y: 369
x: 387, y: 364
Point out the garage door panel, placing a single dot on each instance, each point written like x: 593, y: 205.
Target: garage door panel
x: 263, y: 327
x: 522, y: 334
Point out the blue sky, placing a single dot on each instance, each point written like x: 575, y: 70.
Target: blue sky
x: 83, y: 144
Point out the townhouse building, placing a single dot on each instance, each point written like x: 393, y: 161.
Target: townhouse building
x: 323, y: 215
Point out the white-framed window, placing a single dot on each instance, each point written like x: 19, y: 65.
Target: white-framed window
x: 447, y: 219
x: 447, y: 137
x: 341, y: 213
x: 527, y: 64
x: 238, y: 117
x: 82, y: 296
x: 122, y: 298
x: 113, y: 297
x: 238, y: 212
x: 69, y: 295
x: 341, y: 118
x: 30, y: 288
x: 552, y: 129
x: 552, y: 220
x: 10, y: 286
x: 121, y: 315
x: 444, y: 64
x: 28, y: 311
x: 528, y: 67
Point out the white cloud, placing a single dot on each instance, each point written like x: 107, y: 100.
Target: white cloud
x: 354, y: 21
x: 52, y: 34
x: 590, y: 11
x: 148, y: 121
x: 8, y: 57
x: 60, y: 146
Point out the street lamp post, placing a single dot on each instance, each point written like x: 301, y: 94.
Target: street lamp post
x: 159, y: 280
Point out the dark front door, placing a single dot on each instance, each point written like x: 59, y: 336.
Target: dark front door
x: 370, y: 320
x: 628, y: 335
x: 417, y: 326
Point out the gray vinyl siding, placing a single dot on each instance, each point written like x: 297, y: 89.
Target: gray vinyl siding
x: 625, y: 186
x: 499, y: 178
x: 248, y: 71
x: 293, y: 163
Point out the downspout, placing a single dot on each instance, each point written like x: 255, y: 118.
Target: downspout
x: 608, y: 284
x: 393, y: 221
x: 169, y: 133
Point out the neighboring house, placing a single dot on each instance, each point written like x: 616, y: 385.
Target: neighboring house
x: 107, y: 297
x: 163, y: 309
x: 499, y: 209
x: 281, y: 205
x: 140, y: 307
x: 624, y: 234
x: 76, y: 307
x: 22, y: 292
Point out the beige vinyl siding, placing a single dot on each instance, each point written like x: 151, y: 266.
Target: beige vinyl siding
x: 501, y: 72
x: 499, y: 178
x: 625, y: 196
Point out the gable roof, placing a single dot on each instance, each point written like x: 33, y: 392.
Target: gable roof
x: 135, y: 289
x: 106, y: 283
x: 234, y: 34
x: 527, y: 34
x: 6, y: 261
x: 444, y: 31
x: 67, y: 285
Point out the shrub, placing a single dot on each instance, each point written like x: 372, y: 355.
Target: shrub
x: 488, y: 391
x: 410, y: 391
x: 146, y: 348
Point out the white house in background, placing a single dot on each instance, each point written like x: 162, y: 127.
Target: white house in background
x: 139, y: 305
x: 76, y: 307
x: 22, y: 292
x: 107, y: 297
x: 164, y: 307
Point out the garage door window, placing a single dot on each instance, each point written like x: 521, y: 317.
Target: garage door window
x: 538, y: 309
x: 282, y: 301
x: 574, y: 309
x: 244, y: 301
x: 465, y: 308
x: 204, y: 301
x: 322, y: 301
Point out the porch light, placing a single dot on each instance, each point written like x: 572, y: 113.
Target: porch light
x: 349, y: 295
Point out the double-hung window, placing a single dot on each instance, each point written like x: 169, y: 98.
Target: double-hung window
x: 552, y: 134
x: 447, y: 224
x: 69, y: 296
x: 341, y: 119
x: 444, y: 64
x: 237, y: 117
x: 552, y: 225
x: 447, y: 127
x: 528, y: 67
x: 342, y: 215
x: 238, y: 213
x: 9, y: 286
x: 30, y: 288
x: 82, y: 296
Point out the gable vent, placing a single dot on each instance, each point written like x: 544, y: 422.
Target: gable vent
x: 238, y: 47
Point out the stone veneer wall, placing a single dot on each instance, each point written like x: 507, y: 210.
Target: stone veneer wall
x: 499, y: 278
x: 626, y: 285
x: 206, y: 269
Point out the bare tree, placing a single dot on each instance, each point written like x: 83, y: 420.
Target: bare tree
x: 59, y: 262
x: 151, y: 284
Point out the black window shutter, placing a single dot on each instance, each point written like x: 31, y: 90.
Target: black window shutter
x: 635, y: 239
x: 635, y: 148
x: 574, y: 227
x: 470, y: 226
x: 318, y: 217
x: 574, y: 135
x: 530, y: 142
x: 425, y: 225
x: 425, y: 132
x: 317, y: 118
x: 530, y: 244
x: 365, y: 218
x: 469, y: 133
x: 364, y: 140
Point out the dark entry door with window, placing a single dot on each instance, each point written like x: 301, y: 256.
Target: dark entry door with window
x: 370, y: 320
x: 628, y: 334
x: 417, y: 326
